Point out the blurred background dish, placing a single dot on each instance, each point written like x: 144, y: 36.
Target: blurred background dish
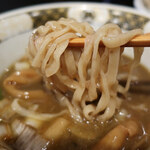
x: 142, y: 5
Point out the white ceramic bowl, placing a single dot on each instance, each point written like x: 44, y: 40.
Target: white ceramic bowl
x: 16, y: 25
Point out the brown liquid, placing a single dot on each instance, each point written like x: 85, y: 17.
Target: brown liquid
x: 83, y: 136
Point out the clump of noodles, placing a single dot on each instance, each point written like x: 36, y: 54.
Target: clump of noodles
x: 83, y: 79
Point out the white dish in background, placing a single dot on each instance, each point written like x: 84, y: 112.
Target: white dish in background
x: 142, y: 5
x: 16, y: 25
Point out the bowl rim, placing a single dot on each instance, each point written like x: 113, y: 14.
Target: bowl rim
x: 45, y: 6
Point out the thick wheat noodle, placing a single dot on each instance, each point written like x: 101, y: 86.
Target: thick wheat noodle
x: 54, y: 46
x: 137, y: 56
x: 57, y: 84
x: 82, y: 66
x: 86, y: 55
x: 105, y: 97
x: 99, y: 35
x: 32, y: 53
x: 67, y: 81
x: 54, y: 66
x: 64, y: 100
x: 32, y: 114
x: 41, y: 51
x: 89, y: 74
x: 58, y: 52
x: 112, y: 73
x: 113, y: 42
x: 82, y: 28
x: 70, y: 63
x: 23, y: 78
x: 104, y: 59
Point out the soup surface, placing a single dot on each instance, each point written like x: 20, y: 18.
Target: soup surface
x: 41, y: 122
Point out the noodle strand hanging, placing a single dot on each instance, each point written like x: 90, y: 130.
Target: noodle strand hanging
x: 85, y: 78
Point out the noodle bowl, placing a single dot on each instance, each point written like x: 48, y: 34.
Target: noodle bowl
x: 85, y: 78
x: 61, y: 97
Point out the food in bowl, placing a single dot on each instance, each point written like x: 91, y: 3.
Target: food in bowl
x: 58, y: 97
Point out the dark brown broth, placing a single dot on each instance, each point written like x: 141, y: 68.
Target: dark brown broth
x: 72, y: 141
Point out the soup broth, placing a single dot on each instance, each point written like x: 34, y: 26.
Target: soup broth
x: 62, y: 131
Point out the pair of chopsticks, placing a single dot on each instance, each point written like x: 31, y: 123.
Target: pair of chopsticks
x: 137, y: 41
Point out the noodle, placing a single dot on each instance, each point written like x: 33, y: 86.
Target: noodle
x: 32, y: 114
x: 86, y: 78
x: 22, y: 78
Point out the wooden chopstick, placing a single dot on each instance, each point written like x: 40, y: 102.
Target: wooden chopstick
x: 137, y: 41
